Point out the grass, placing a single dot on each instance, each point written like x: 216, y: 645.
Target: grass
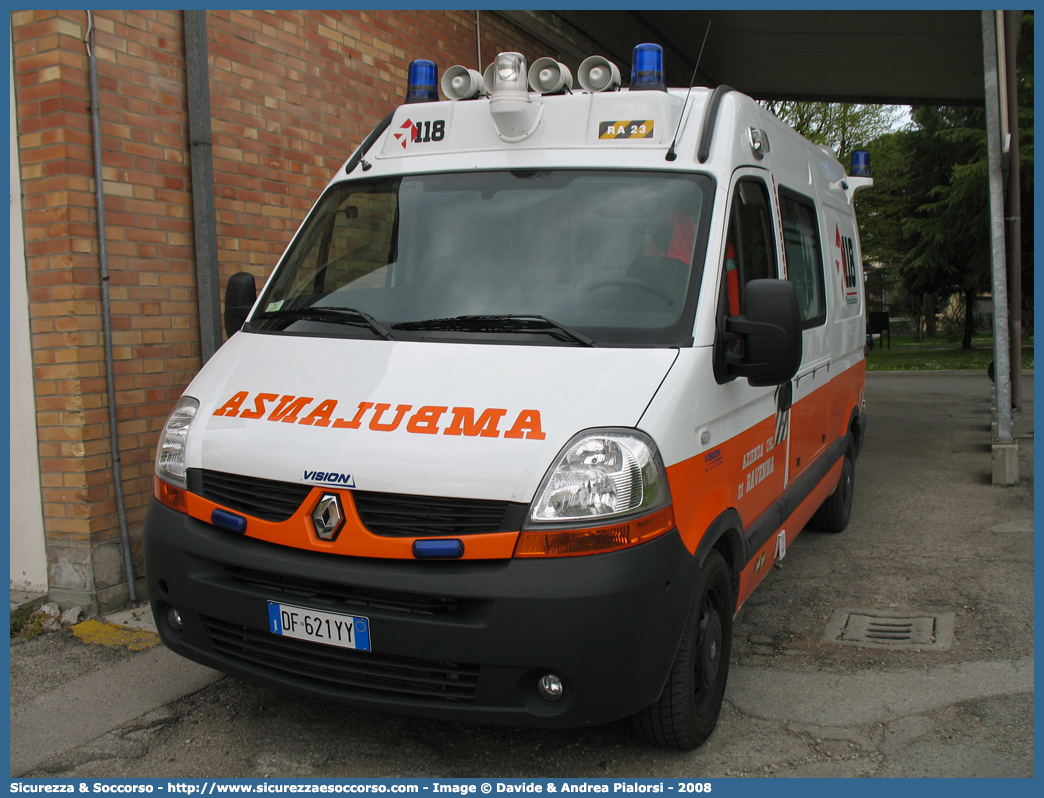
x: 27, y: 622
x: 938, y: 354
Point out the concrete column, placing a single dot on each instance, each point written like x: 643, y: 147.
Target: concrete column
x: 1005, y: 447
x: 28, y: 550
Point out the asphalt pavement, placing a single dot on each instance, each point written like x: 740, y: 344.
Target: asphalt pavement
x: 931, y: 542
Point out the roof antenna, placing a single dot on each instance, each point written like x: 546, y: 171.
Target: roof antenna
x: 366, y: 165
x: 671, y: 154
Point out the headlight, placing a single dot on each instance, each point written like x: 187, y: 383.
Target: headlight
x: 170, y: 454
x: 602, y: 474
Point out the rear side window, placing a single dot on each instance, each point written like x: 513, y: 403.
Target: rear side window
x: 804, y: 256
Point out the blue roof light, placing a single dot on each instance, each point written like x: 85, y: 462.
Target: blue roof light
x: 647, y: 68
x: 422, y: 82
x: 860, y: 163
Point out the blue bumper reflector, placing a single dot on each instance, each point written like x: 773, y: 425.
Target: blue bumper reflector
x: 445, y: 549
x: 230, y: 521
x: 422, y: 82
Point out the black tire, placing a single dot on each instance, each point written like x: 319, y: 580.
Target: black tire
x: 688, y: 708
x: 833, y: 514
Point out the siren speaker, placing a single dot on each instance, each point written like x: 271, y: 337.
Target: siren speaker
x: 598, y: 74
x: 548, y: 76
x: 487, y: 77
x: 461, y: 83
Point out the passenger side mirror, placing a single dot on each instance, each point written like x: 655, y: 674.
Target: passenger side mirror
x: 240, y: 295
x: 771, y: 332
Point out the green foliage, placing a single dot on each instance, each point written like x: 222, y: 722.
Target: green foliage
x: 949, y: 231
x: 844, y: 127
x: 27, y: 622
x: 927, y: 218
x: 884, y: 241
x: 906, y: 355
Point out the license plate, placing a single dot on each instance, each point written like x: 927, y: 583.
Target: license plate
x: 328, y: 628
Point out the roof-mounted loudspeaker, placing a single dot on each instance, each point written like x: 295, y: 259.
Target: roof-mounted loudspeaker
x: 598, y: 74
x: 548, y: 76
x: 461, y: 83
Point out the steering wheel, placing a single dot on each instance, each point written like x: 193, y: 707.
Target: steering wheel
x: 628, y: 282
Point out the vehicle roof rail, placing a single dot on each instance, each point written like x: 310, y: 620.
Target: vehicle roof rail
x: 710, y: 118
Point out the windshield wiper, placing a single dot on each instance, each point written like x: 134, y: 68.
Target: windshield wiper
x: 507, y: 323
x: 333, y: 316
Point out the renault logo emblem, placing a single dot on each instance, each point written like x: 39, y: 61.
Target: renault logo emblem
x: 328, y: 517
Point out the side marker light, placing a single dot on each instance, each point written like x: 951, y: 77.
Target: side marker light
x: 169, y: 495
x: 572, y: 542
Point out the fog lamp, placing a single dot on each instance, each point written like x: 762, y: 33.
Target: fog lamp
x: 550, y: 687
x: 174, y: 619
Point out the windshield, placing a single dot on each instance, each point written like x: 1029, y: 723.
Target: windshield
x: 539, y: 257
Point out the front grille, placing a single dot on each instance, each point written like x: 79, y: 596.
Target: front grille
x: 267, y: 499
x: 303, y: 588
x: 343, y: 671
x: 387, y: 514
x: 399, y: 515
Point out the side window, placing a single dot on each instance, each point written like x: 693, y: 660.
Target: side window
x: 351, y: 236
x: 361, y: 239
x: 804, y: 257
x: 750, y: 250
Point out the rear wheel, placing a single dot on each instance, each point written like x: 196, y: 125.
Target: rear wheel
x: 833, y: 514
x: 688, y: 708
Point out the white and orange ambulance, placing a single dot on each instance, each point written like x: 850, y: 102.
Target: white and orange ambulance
x: 544, y: 385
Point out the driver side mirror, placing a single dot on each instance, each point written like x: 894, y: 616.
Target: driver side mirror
x: 240, y: 295
x: 771, y: 332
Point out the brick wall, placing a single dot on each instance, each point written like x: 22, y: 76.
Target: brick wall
x: 292, y: 92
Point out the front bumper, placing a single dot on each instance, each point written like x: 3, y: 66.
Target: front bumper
x: 466, y: 640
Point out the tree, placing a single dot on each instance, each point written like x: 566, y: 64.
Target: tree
x: 951, y: 229
x: 928, y: 212
x: 948, y: 230
x: 927, y: 217
x: 952, y: 239
x: 844, y: 127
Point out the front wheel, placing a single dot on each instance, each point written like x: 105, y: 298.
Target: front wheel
x: 833, y: 514
x: 688, y: 708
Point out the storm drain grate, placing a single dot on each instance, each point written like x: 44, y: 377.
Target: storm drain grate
x: 889, y: 629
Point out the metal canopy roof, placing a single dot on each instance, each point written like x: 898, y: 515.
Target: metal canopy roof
x: 899, y: 57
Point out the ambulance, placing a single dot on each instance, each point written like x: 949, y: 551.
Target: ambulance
x: 546, y: 382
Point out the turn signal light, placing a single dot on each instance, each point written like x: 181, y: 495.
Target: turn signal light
x: 169, y: 495
x: 571, y: 542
